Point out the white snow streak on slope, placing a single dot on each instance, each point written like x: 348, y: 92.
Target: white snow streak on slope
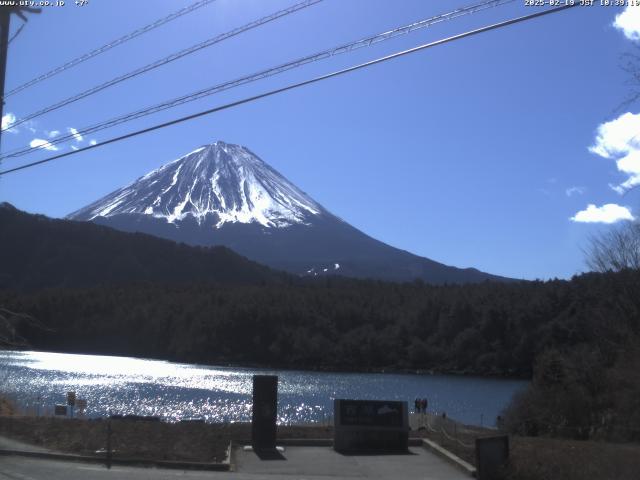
x: 111, y: 206
x: 223, y: 180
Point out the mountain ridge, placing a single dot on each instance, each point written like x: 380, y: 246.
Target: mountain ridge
x: 42, y: 252
x: 224, y: 194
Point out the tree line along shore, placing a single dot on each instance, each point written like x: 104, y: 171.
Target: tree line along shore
x: 576, y: 340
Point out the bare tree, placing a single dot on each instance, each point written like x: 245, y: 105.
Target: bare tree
x: 615, y: 250
x: 9, y: 323
x: 630, y: 63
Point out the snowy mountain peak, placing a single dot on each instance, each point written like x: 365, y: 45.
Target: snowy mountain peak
x: 224, y: 182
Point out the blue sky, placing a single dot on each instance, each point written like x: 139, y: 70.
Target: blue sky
x: 503, y: 151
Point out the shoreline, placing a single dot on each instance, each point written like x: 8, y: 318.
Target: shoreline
x: 438, y: 371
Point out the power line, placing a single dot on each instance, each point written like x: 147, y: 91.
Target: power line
x: 324, y: 54
x: 17, y: 32
x: 168, y: 59
x: 299, y: 84
x: 109, y: 46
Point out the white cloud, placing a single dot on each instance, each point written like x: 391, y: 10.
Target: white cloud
x: 75, y: 134
x: 617, y: 136
x: 619, y: 140
x: 53, y: 133
x: 609, y: 213
x: 93, y: 142
x: 40, y: 143
x: 7, y: 120
x: 74, y: 148
x: 629, y: 22
x: 575, y: 191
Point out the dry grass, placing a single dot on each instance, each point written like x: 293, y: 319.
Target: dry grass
x: 6, y: 407
x: 545, y: 458
x: 152, y: 440
x: 535, y: 458
x: 531, y: 458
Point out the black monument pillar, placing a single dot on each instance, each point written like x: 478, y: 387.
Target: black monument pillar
x: 264, y: 412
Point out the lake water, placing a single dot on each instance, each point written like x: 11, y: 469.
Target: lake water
x: 174, y: 391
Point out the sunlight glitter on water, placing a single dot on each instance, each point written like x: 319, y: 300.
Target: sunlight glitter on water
x: 93, y: 369
x: 173, y: 391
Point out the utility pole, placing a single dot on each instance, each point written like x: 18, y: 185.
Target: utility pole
x: 5, y: 21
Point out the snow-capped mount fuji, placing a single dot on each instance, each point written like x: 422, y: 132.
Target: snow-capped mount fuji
x: 224, y: 194
x: 218, y: 183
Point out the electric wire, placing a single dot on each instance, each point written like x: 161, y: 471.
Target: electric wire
x: 298, y: 85
x: 109, y: 46
x: 322, y: 55
x: 168, y: 59
x: 17, y: 32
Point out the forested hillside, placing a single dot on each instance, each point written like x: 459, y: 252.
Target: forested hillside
x: 39, y: 252
x: 337, y: 323
x: 90, y: 289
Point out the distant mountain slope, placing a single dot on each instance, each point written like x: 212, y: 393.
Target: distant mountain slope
x: 38, y: 252
x: 223, y: 194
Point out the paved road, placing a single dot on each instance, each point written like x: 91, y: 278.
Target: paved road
x: 323, y: 462
x: 307, y: 463
x: 21, y: 468
x: 10, y: 444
